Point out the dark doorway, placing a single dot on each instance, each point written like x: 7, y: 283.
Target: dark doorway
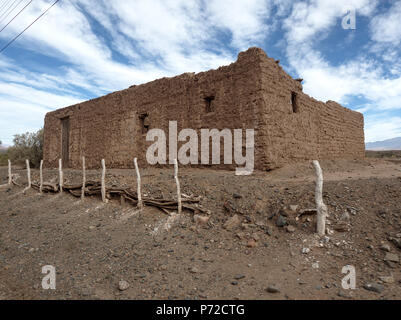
x: 65, y: 141
x: 294, y: 102
x: 144, y: 122
x: 208, y: 102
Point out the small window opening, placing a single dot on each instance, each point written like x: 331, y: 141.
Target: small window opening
x: 144, y: 122
x: 294, y: 102
x: 209, y: 104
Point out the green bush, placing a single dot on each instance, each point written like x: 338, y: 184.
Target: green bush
x: 27, y: 146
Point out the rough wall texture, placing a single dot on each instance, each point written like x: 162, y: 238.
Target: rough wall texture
x: 252, y: 93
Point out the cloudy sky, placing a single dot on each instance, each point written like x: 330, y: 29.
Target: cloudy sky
x: 82, y: 49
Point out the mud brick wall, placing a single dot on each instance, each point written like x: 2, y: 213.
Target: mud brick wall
x: 252, y: 93
x: 315, y: 130
x: 110, y: 127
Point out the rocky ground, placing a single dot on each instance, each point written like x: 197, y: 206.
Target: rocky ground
x: 255, y: 244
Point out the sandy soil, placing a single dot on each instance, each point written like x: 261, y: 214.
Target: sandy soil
x: 94, y: 246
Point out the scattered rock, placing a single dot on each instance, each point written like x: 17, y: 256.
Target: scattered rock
x: 194, y: 270
x: 234, y: 283
x: 385, y: 247
x: 252, y: 243
x: 201, y: 220
x: 232, y: 223
x: 342, y: 294
x: 123, y: 285
x: 290, y: 229
x: 237, y: 196
x: 281, y: 221
x: 294, y: 208
x: 397, y: 242
x: 341, y: 226
x: 387, y: 279
x: 374, y: 287
x: 305, y: 250
x: 268, y: 231
x: 345, y: 216
x: 239, y: 276
x: 240, y: 235
x: 392, y: 257
x: 272, y: 289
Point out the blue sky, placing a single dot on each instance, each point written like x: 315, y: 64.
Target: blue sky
x: 83, y: 49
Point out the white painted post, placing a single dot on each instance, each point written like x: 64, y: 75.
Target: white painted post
x: 138, y: 179
x: 83, y: 179
x: 103, y: 181
x: 10, y: 178
x: 178, y: 186
x: 41, y: 177
x: 320, y: 206
x: 28, y: 170
x: 60, y: 175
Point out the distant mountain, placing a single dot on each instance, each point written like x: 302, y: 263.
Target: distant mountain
x: 3, y: 148
x: 390, y: 144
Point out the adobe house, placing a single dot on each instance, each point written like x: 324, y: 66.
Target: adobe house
x: 252, y: 93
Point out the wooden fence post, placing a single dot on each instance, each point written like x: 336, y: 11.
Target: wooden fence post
x: 28, y: 170
x: 41, y: 177
x: 178, y: 186
x: 60, y: 175
x: 10, y: 177
x: 320, y: 206
x: 103, y: 181
x: 83, y: 179
x: 138, y: 179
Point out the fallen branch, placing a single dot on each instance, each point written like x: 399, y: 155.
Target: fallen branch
x: 94, y: 188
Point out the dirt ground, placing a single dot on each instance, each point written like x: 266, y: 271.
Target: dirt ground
x: 267, y: 251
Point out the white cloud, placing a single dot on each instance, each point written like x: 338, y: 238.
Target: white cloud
x: 144, y: 40
x: 315, y: 17
x: 379, y: 128
x: 386, y: 26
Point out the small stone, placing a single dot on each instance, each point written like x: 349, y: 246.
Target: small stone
x: 342, y: 294
x: 392, y: 257
x: 194, y: 270
x: 92, y: 227
x: 240, y: 235
x: 281, y: 221
x: 397, y: 243
x: 290, y: 229
x: 232, y: 223
x: 305, y: 250
x: 255, y: 237
x: 123, y: 285
x: 374, y: 287
x: 272, y: 289
x: 345, y: 216
x: 385, y: 247
x: 234, y: 283
x: 201, y: 220
x: 315, y: 265
x: 237, y: 196
x: 252, y: 243
x: 387, y: 279
x: 294, y: 208
x: 239, y: 276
